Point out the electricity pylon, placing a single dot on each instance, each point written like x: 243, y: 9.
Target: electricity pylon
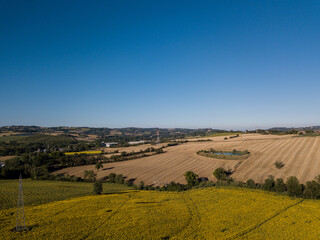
x: 20, y: 222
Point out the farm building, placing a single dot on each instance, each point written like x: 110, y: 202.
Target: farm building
x: 136, y: 142
x: 108, y: 144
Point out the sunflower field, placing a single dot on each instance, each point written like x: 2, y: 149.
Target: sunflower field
x: 209, y: 213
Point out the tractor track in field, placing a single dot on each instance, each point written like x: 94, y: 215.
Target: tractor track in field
x: 108, y: 218
x: 67, y: 208
x: 194, y: 215
x: 245, y: 232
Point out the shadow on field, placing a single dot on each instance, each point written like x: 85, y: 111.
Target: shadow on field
x: 118, y: 193
x: 61, y: 174
x: 108, y: 168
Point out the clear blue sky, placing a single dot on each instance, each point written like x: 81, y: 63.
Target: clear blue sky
x: 220, y: 64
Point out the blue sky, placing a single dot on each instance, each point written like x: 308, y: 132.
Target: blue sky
x: 194, y: 64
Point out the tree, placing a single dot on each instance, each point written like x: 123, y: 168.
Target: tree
x: 123, y: 154
x: 191, y: 178
x: 220, y: 174
x: 279, y: 164
x: 112, y: 177
x: 280, y: 186
x: 312, y: 189
x: 293, y: 186
x: 119, y: 178
x: 175, y: 187
x: 141, y: 185
x: 97, y: 187
x: 129, y: 183
x: 99, y: 165
x: 268, y: 184
x: 251, y: 183
x: 89, y: 175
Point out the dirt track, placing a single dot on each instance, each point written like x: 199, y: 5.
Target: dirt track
x: 301, y: 156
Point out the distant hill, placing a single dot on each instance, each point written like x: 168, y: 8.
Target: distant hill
x: 112, y: 134
x: 286, y: 129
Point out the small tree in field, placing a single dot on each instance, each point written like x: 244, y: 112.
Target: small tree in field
x: 97, y: 187
x: 99, y: 165
x: 279, y: 164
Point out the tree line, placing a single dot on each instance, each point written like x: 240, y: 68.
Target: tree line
x: 291, y: 187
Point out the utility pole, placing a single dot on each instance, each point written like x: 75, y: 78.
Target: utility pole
x: 20, y: 221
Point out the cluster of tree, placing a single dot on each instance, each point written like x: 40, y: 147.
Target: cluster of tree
x: 16, y: 148
x: 291, y: 186
x: 175, y: 142
x: 38, y: 164
x: 13, y: 148
x: 276, y: 131
x: 116, y: 178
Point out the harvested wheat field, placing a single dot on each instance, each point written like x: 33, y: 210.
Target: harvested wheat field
x: 300, y: 155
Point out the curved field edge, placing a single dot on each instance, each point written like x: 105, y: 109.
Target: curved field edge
x: 211, y: 213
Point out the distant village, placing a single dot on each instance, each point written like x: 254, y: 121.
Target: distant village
x: 110, y: 144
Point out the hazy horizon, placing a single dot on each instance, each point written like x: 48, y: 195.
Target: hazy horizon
x: 235, y: 129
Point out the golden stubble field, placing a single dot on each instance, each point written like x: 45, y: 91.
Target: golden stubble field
x: 301, y: 156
